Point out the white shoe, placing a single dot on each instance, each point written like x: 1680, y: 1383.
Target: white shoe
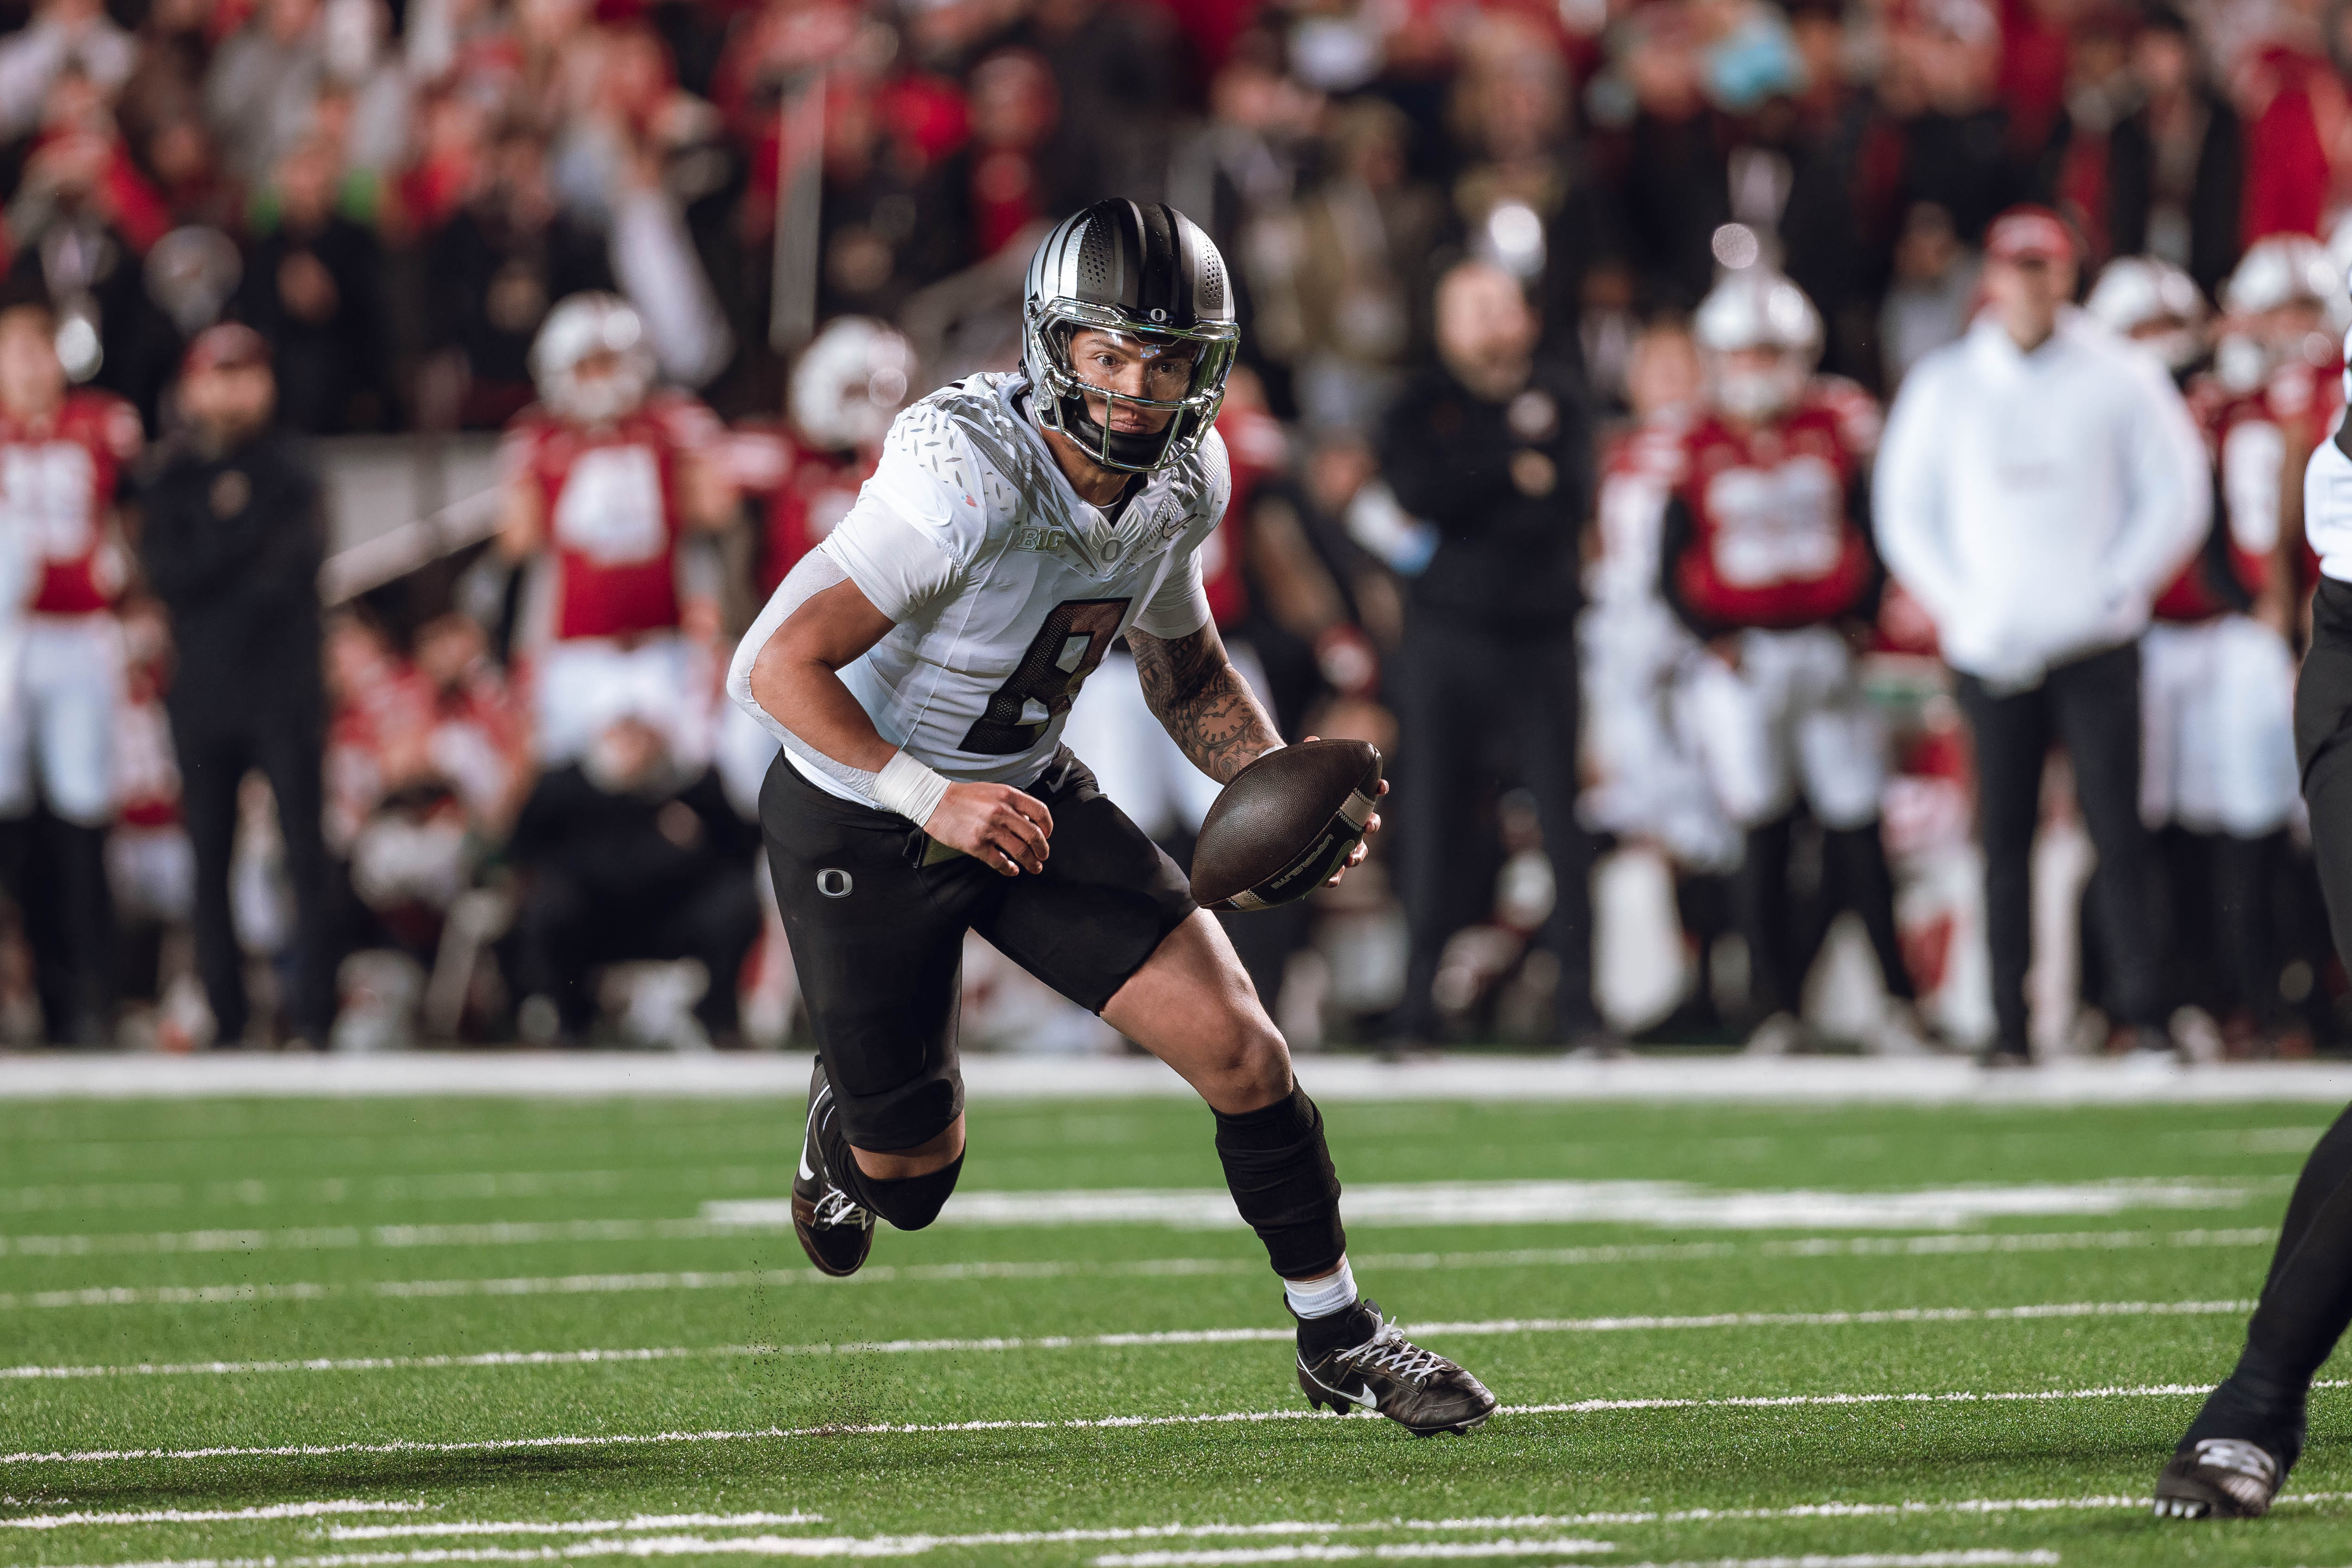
x: 1901, y: 1031
x: 1780, y: 1035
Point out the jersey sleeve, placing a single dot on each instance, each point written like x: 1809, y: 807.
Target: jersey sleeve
x: 919, y: 522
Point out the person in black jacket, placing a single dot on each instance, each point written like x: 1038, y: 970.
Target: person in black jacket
x: 1494, y: 449
x: 628, y: 856
x: 233, y: 533
x: 2176, y: 167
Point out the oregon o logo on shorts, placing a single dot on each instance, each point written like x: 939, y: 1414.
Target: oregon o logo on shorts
x: 833, y: 884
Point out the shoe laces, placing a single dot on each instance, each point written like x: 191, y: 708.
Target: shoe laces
x: 2238, y: 1456
x: 1388, y: 1351
x: 836, y: 1209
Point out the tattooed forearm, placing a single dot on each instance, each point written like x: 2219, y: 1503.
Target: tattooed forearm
x: 1207, y: 707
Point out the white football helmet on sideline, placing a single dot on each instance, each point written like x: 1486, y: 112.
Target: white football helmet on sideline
x: 1773, y: 330
x: 592, y: 360
x: 850, y: 383
x: 2281, y: 270
x: 2155, y: 304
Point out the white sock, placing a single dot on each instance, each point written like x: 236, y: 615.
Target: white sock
x: 1322, y: 1298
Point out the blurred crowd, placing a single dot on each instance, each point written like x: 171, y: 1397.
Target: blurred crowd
x: 1476, y: 244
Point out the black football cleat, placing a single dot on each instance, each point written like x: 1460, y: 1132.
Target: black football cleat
x: 835, y: 1231
x: 2218, y: 1478
x: 1381, y: 1370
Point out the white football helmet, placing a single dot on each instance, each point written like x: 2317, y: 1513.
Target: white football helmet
x: 850, y: 382
x: 582, y: 325
x: 2155, y: 304
x: 2281, y: 269
x: 1754, y: 309
x: 2339, y: 258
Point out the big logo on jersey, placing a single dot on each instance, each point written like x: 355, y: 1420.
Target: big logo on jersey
x: 1075, y: 637
x: 612, y: 510
x: 49, y: 491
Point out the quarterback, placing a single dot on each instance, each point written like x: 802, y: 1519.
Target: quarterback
x: 918, y: 667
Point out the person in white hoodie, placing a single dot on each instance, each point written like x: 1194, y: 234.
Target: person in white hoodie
x: 2039, y: 484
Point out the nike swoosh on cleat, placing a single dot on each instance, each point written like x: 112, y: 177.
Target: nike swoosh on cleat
x: 806, y: 1174
x: 1366, y: 1398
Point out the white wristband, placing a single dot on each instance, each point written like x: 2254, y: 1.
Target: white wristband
x: 907, y: 787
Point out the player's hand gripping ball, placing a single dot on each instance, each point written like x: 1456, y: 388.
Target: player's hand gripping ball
x: 1288, y: 823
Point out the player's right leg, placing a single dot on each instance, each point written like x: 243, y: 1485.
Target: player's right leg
x: 876, y: 939
x: 2235, y: 1456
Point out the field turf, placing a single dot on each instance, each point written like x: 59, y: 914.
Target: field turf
x: 350, y: 1332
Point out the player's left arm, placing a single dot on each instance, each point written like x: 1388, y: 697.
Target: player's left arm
x: 1208, y: 709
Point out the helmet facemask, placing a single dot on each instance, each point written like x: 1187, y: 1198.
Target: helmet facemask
x: 1068, y: 394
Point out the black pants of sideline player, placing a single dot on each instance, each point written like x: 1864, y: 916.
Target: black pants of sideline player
x: 2306, y: 1302
x: 1461, y: 690
x: 2090, y: 706
x: 216, y: 750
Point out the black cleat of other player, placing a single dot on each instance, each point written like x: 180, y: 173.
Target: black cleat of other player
x: 834, y: 1230
x: 2218, y: 1478
x: 1375, y: 1367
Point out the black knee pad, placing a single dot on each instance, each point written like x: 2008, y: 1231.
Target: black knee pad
x: 912, y: 1202
x: 1279, y: 1171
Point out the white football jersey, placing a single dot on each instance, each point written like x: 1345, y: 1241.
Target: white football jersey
x: 1006, y: 588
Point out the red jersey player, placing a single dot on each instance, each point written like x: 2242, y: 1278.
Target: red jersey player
x: 62, y: 452
x: 1766, y: 556
x: 605, y: 476
x: 2217, y: 679
x: 802, y: 475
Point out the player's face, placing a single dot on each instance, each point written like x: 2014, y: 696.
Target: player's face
x: 1133, y: 368
x: 31, y: 378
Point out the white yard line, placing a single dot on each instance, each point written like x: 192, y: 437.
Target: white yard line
x: 1978, y: 1557
x: 206, y: 1515
x: 1631, y: 1324
x: 1933, y: 1245
x: 1809, y: 1081
x: 1405, y: 1552
x: 1667, y: 1205
x: 1074, y: 1423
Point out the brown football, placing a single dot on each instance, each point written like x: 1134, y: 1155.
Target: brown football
x: 1284, y: 824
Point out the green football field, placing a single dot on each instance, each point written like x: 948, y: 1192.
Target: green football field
x: 416, y: 1331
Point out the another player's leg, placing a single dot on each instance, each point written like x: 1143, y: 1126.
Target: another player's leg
x: 1192, y: 1005
x: 2235, y: 1456
x: 878, y: 943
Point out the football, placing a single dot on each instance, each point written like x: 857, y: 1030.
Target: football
x: 1284, y: 824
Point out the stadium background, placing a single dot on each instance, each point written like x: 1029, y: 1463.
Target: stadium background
x: 394, y: 196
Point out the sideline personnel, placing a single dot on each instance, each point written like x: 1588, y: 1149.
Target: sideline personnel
x: 1493, y: 447
x: 233, y: 537
x: 2040, y: 483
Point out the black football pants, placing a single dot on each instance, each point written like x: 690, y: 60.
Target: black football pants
x: 215, y: 751
x: 1472, y: 700
x: 2092, y: 708
x: 2306, y: 1302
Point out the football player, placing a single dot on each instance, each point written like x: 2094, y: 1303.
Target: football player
x: 918, y: 668
x: 2217, y: 677
x: 1768, y: 559
x: 2238, y: 1451
x: 61, y: 452
x: 607, y: 476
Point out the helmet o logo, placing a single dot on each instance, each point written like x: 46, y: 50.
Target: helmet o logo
x: 833, y: 884
x: 1157, y: 314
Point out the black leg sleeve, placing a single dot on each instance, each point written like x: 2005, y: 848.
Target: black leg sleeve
x: 1859, y: 880
x: 1768, y: 918
x: 1280, y: 1172
x: 2305, y: 1306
